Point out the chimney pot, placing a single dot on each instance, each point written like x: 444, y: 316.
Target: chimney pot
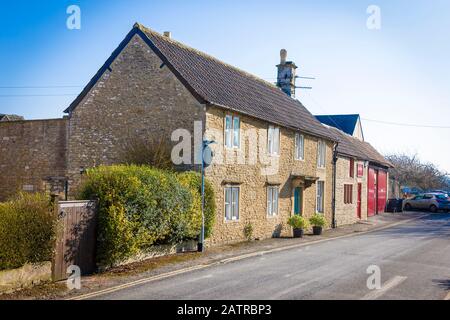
x: 168, y: 34
x: 286, y: 74
x: 283, y: 56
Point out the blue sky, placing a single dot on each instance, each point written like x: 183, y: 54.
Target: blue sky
x: 400, y: 73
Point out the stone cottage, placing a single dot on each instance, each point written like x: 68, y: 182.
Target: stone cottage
x: 273, y: 158
x: 360, y: 170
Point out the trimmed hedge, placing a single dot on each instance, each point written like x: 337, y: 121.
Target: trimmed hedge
x: 193, y: 180
x: 27, y: 230
x: 140, y: 206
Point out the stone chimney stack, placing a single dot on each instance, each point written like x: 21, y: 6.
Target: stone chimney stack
x: 286, y: 74
x: 168, y: 34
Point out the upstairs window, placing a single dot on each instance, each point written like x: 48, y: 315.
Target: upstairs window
x: 360, y: 170
x: 273, y: 140
x: 299, y: 147
x: 352, y: 168
x: 232, y: 132
x: 321, y: 154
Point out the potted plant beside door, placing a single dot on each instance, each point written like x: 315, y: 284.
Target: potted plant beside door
x: 318, y: 222
x: 298, y: 224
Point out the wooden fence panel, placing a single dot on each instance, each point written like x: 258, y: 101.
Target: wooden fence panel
x: 76, y: 238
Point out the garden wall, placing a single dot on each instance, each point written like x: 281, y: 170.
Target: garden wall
x: 30, y: 152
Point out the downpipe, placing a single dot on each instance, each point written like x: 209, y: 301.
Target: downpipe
x: 333, y: 203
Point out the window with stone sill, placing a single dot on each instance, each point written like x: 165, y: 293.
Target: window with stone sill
x: 299, y: 147
x: 348, y: 194
x: 273, y: 140
x: 321, y: 153
x: 272, y: 200
x: 232, y: 131
x: 232, y: 203
x: 320, y: 196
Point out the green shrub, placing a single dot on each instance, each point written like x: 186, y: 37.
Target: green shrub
x: 193, y: 180
x: 27, y: 230
x: 298, y: 222
x: 140, y: 206
x: 318, y: 220
x: 248, y: 231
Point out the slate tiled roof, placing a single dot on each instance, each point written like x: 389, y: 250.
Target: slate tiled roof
x: 215, y: 82
x: 344, y: 122
x: 10, y: 117
x: 224, y: 85
x: 350, y: 146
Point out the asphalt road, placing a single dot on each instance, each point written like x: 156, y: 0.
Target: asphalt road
x: 414, y: 262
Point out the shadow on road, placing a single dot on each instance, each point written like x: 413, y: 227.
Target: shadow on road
x: 444, y: 284
x: 433, y: 225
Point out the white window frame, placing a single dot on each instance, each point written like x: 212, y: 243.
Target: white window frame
x: 233, y: 203
x: 273, y: 140
x: 231, y: 132
x: 273, y: 201
x: 321, y: 153
x: 299, y: 146
x: 320, y: 203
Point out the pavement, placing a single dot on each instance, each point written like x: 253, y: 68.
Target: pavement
x: 410, y: 252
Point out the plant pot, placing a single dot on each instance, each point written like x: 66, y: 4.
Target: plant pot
x: 317, y: 231
x: 298, y: 233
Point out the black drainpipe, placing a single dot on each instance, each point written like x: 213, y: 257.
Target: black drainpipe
x: 333, y: 204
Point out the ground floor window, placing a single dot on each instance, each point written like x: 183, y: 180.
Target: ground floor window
x: 231, y: 203
x: 348, y: 194
x: 320, y: 196
x: 272, y: 201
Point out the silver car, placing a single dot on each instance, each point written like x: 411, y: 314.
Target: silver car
x: 428, y: 201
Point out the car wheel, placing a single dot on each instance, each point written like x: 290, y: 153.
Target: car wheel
x: 433, y: 208
x: 408, y: 207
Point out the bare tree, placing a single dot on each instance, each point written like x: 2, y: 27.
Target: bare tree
x: 147, y: 151
x: 410, y: 171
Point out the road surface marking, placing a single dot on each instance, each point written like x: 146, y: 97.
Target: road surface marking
x: 137, y: 282
x: 233, y: 259
x: 388, y: 285
x: 291, y: 289
x: 448, y: 296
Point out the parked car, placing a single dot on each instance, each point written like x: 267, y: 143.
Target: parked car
x: 428, y: 201
x: 440, y: 191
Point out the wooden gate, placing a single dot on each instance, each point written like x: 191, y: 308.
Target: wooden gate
x: 76, y: 238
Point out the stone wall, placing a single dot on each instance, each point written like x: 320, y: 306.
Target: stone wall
x: 30, y: 152
x: 253, y: 179
x: 347, y: 213
x: 26, y: 276
x: 138, y: 98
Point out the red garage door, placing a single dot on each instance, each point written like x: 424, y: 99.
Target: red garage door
x: 382, y: 191
x: 371, y: 192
